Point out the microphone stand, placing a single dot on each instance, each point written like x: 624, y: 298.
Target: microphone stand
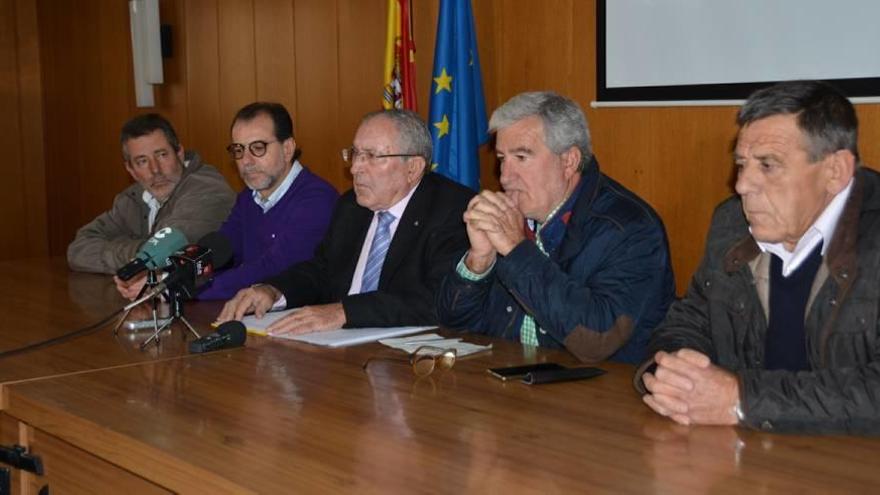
x: 153, y: 290
x: 175, y: 301
x: 152, y: 282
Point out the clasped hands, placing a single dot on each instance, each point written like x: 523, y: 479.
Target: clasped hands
x: 259, y: 299
x: 494, y: 226
x: 689, y: 389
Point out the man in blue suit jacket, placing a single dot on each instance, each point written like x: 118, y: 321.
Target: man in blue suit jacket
x: 390, y: 242
x: 565, y: 256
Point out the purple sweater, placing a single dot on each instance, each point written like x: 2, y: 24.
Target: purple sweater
x: 263, y: 244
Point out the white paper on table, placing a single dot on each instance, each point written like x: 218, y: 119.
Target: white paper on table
x: 352, y: 336
x: 410, y: 344
x: 259, y: 325
x: 333, y: 338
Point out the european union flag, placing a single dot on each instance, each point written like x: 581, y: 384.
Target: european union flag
x: 458, y: 111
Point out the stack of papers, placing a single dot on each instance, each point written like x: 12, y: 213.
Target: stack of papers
x: 259, y: 326
x: 333, y: 338
x: 410, y: 344
x: 352, y: 336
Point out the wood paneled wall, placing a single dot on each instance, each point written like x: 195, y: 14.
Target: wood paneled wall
x: 678, y: 158
x: 23, y: 201
x: 323, y: 60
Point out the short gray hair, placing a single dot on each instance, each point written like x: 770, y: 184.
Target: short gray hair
x: 413, y: 137
x: 564, y: 122
x: 823, y: 113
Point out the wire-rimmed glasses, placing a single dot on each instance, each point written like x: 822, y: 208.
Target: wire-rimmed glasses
x: 352, y: 154
x: 423, y: 360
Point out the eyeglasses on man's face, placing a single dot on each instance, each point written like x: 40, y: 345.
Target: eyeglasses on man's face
x: 257, y: 149
x: 424, y: 360
x: 352, y: 155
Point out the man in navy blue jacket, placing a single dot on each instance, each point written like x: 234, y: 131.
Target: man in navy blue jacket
x: 564, y: 256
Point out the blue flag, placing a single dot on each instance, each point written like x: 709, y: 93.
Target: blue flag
x: 457, y: 118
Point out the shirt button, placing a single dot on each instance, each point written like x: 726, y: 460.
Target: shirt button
x: 273, y: 236
x: 509, y: 309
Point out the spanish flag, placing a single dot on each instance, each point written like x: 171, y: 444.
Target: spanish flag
x: 400, y: 58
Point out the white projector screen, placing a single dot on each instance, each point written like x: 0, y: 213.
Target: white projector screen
x: 724, y: 49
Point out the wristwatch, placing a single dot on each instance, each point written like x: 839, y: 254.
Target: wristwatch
x: 738, y: 411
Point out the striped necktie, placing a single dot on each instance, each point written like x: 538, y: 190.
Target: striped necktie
x: 378, y: 249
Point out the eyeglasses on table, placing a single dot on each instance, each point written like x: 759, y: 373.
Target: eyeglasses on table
x: 423, y: 361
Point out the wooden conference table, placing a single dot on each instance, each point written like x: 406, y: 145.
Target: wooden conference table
x: 283, y: 417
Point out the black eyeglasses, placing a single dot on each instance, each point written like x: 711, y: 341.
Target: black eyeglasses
x: 351, y: 155
x: 423, y: 360
x: 257, y: 149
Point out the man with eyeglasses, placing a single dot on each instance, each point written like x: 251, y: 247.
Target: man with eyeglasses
x: 173, y: 189
x: 279, y: 218
x: 283, y: 214
x: 391, y: 240
x: 564, y: 257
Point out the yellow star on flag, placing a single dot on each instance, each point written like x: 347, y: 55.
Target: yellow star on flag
x: 444, y: 81
x: 443, y: 125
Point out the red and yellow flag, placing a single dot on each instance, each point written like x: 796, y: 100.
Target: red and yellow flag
x: 400, y: 58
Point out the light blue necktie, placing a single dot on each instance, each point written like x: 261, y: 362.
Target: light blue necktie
x: 378, y: 249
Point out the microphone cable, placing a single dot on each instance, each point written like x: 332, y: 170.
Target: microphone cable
x: 62, y: 338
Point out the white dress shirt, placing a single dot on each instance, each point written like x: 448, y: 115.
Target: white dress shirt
x: 277, y: 194
x: 397, y: 210
x: 822, y: 230
x: 153, y: 204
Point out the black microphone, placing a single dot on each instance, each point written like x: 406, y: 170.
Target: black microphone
x: 187, y: 267
x: 197, y: 262
x: 228, y: 335
x: 220, y: 247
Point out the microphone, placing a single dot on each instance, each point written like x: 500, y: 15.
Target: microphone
x: 195, y: 261
x: 154, y: 252
x: 198, y: 262
x: 228, y: 335
x: 220, y: 247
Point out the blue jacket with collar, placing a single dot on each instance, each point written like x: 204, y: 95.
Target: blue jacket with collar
x: 599, y: 294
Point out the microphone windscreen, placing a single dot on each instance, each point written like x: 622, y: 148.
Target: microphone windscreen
x: 235, y: 331
x: 221, y: 248
x: 165, y: 242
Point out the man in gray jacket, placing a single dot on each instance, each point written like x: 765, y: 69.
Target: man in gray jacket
x: 779, y: 328
x: 173, y: 189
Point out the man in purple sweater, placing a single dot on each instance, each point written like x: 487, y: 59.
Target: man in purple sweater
x: 284, y: 213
